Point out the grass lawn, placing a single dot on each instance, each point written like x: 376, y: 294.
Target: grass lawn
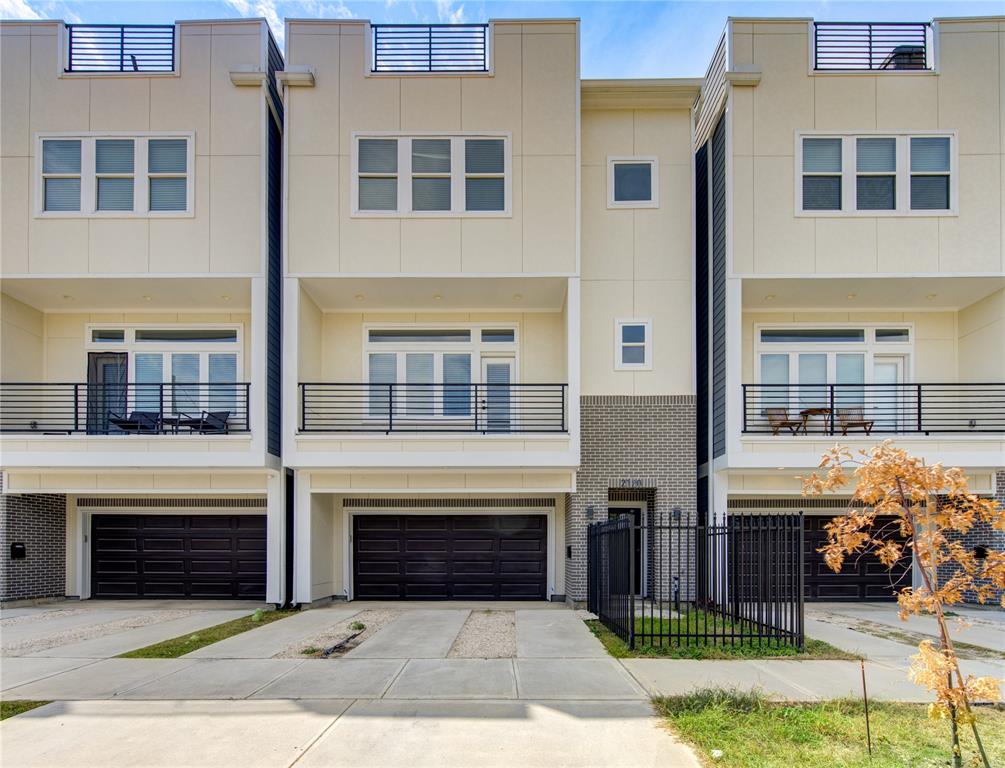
x: 11, y: 708
x: 746, y: 649
x: 751, y: 732
x: 179, y: 646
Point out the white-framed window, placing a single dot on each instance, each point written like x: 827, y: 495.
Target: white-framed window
x: 431, y: 175
x: 188, y: 358
x: 115, y: 175
x: 633, y: 345
x: 876, y: 174
x: 437, y: 364
x: 632, y: 182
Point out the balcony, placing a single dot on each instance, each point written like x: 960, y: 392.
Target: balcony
x: 124, y: 409
x: 873, y: 409
x: 120, y: 48
x: 880, y: 47
x: 430, y: 48
x: 488, y: 409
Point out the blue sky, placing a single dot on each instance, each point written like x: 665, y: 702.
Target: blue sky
x: 619, y: 39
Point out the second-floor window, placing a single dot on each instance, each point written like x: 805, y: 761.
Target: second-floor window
x: 875, y: 175
x: 431, y: 176
x: 633, y: 345
x: 632, y: 182
x: 115, y: 176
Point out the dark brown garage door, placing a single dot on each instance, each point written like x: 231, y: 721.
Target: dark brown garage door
x: 450, y: 557
x: 861, y: 578
x: 178, y: 556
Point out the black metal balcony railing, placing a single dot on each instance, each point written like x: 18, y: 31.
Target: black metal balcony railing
x: 430, y: 48
x: 387, y: 408
x: 120, y: 48
x: 117, y: 409
x: 868, y: 46
x: 872, y: 409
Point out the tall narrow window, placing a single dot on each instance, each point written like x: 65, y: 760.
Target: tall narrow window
x: 378, y: 174
x: 167, y: 168
x: 114, y: 160
x: 929, y: 173
x: 484, y: 175
x: 430, y: 174
x: 876, y: 167
x: 61, y: 174
x: 821, y: 174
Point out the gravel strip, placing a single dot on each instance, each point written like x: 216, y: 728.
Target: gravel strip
x: 374, y: 620
x: 30, y: 618
x: 486, y: 635
x: 79, y: 634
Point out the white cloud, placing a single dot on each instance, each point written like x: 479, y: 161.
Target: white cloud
x: 448, y: 14
x: 265, y: 9
x: 17, y: 9
x: 322, y: 10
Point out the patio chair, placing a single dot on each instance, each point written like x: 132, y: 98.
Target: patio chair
x: 137, y: 422
x: 778, y: 419
x: 214, y: 422
x: 853, y: 418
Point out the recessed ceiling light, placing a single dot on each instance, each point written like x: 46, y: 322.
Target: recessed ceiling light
x: 436, y: 297
x: 852, y: 295
x: 225, y: 297
x: 517, y: 296
x: 359, y: 297
x: 781, y: 469
x: 146, y: 298
x: 770, y: 297
x: 931, y: 296
x: 67, y: 297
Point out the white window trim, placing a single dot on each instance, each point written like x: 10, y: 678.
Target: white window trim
x: 131, y: 346
x: 457, y: 175
x: 654, y: 191
x: 849, y: 172
x: 141, y: 184
x: 870, y: 347
x: 478, y: 349
x: 621, y: 366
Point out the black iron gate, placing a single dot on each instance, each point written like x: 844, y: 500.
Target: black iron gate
x: 738, y: 583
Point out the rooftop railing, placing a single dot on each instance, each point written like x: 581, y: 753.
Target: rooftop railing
x: 873, y: 409
x: 438, y: 48
x: 474, y: 408
x: 120, y: 48
x: 885, y: 46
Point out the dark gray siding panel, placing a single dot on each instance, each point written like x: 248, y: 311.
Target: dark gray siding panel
x: 718, y: 314
x: 274, y: 354
x: 701, y: 300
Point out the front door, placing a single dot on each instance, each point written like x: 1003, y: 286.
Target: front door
x: 496, y: 401
x: 889, y: 406
x: 106, y: 390
x: 638, y: 542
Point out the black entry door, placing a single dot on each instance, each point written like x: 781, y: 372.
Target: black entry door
x: 178, y: 556
x: 450, y: 557
x: 861, y: 578
x: 106, y: 389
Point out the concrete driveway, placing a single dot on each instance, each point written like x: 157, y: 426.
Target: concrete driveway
x: 396, y: 699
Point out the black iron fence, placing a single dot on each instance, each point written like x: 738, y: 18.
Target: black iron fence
x: 387, y: 408
x: 430, y: 48
x: 872, y: 409
x: 138, y: 409
x: 663, y: 583
x: 871, y: 46
x: 120, y: 48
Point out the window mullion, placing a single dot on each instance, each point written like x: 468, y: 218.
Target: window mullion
x: 903, y: 173
x: 458, y: 202
x: 88, y: 179
x: 849, y: 168
x: 404, y: 175
x: 141, y: 182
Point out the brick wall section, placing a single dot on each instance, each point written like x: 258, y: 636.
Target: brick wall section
x: 981, y: 535
x: 39, y: 522
x: 643, y: 443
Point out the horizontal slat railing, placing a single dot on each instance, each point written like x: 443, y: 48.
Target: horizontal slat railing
x: 123, y: 409
x: 872, y: 46
x: 121, y: 48
x: 430, y: 48
x: 873, y: 409
x: 475, y: 408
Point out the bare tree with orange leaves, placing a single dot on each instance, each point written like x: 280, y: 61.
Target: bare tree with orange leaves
x: 933, y: 508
